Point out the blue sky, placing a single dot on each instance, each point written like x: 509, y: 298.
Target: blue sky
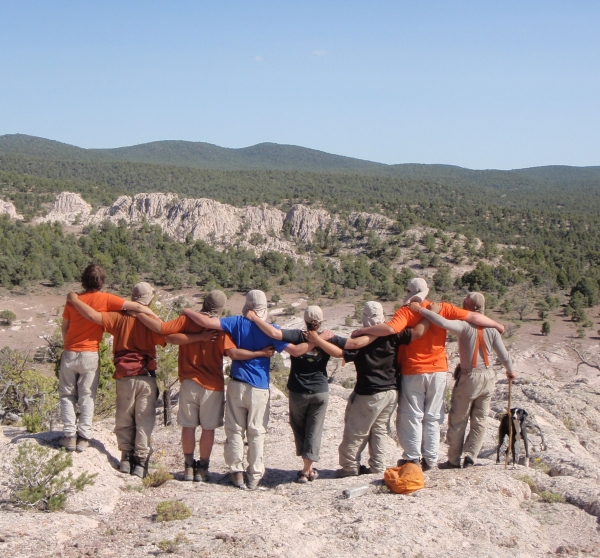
x: 478, y: 84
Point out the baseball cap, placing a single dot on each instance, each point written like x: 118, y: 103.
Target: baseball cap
x: 417, y: 290
x: 256, y: 300
x: 143, y: 293
x: 213, y: 303
x: 313, y: 314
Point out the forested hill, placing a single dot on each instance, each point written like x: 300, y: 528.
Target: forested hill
x: 272, y: 156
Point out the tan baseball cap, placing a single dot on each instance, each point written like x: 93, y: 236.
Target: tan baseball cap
x: 143, y: 293
x: 256, y: 300
x: 313, y: 314
x: 416, y: 290
x: 372, y: 313
x: 213, y: 303
x: 478, y: 301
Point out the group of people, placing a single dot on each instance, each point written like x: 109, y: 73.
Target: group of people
x: 400, y: 365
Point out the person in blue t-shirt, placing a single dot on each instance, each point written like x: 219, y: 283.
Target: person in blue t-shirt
x: 247, y: 401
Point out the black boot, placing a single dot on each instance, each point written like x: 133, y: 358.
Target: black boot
x: 139, y: 467
x: 125, y: 464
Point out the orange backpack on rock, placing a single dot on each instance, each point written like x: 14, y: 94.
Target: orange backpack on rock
x: 405, y: 479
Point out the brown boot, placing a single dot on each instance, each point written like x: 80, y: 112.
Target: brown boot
x: 139, y: 468
x: 68, y: 442
x: 189, y: 467
x: 201, y: 470
x: 125, y: 464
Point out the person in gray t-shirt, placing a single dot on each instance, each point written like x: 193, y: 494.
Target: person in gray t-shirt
x: 472, y: 393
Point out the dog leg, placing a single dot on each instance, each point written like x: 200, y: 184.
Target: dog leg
x: 526, y: 444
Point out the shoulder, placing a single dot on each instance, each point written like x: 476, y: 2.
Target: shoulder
x: 292, y: 336
x: 113, y: 319
x: 339, y: 341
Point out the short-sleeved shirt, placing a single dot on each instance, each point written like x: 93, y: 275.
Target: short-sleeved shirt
x: 83, y: 335
x: 132, y: 335
x: 202, y: 361
x: 377, y: 363
x: 308, y: 373
x: 247, y: 335
x: 427, y: 354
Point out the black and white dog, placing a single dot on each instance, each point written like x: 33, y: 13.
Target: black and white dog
x: 519, y: 432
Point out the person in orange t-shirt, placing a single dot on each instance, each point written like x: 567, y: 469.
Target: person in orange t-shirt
x: 134, y: 348
x: 202, y: 393
x: 423, y: 366
x: 79, y: 364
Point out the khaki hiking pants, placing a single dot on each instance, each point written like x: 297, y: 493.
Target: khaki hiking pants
x: 367, y: 420
x: 420, y: 413
x: 246, y: 412
x: 136, y: 413
x: 77, y: 385
x: 471, y: 399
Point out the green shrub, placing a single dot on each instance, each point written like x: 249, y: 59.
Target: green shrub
x: 37, y: 481
x: 172, y: 510
x: 569, y: 423
x: 545, y: 328
x: 528, y: 480
x: 7, y: 317
x: 157, y: 478
x: 170, y: 546
x: 538, y: 464
x: 551, y: 497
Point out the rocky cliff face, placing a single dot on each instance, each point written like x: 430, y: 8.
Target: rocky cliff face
x: 260, y: 228
x: 8, y: 208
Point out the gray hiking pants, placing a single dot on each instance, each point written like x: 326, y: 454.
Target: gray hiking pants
x: 307, y: 416
x: 77, y: 385
x: 367, y: 420
x: 471, y: 399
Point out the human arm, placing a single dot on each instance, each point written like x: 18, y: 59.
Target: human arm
x: 480, y: 320
x: 299, y: 350
x: 503, y: 355
x: 266, y: 327
x: 64, y: 327
x: 187, y: 338
x: 454, y: 326
x: 137, y: 307
x: 85, y: 310
x: 243, y: 354
x: 379, y: 330
x: 203, y: 320
x: 153, y: 324
x: 329, y: 348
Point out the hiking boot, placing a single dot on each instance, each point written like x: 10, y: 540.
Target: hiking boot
x: 468, y: 462
x: 405, y: 461
x: 68, y: 442
x: 425, y: 466
x: 125, y: 464
x: 82, y: 443
x: 364, y: 470
x: 448, y: 465
x: 188, y: 474
x: 343, y: 473
x: 201, y: 470
x: 237, y: 479
x: 139, y: 468
x: 252, y: 484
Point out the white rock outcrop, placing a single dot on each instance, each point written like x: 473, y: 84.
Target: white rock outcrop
x: 8, y: 208
x: 68, y: 208
x: 258, y: 227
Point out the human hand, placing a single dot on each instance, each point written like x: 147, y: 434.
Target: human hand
x: 326, y: 334
x: 267, y: 352
x: 510, y: 375
x: 356, y: 333
x: 311, y: 336
x: 209, y: 335
x: 72, y: 296
x: 500, y: 328
x: 415, y: 306
x: 250, y: 315
x: 436, y: 307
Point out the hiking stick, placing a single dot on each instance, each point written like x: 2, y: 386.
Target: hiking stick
x: 510, y: 425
